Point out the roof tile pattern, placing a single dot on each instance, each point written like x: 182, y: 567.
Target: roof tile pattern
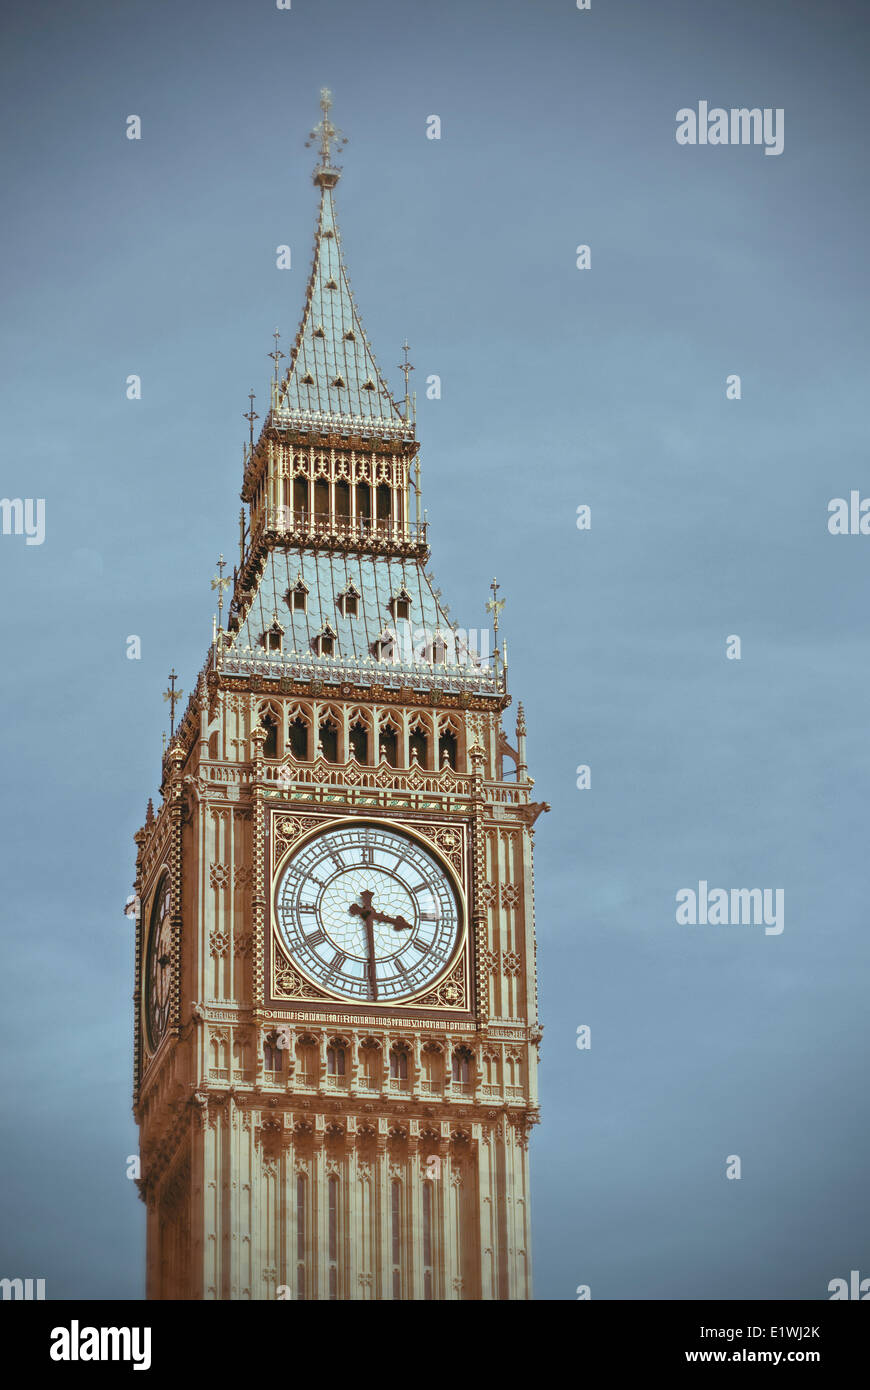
x: 376, y: 580
x: 333, y: 368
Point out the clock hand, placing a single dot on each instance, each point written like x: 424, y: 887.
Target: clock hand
x: 397, y: 923
x: 367, y: 912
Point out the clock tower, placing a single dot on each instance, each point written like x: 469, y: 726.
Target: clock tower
x: 336, y: 1025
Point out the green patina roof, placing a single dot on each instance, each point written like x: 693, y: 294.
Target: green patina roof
x: 333, y: 368
x: 375, y: 580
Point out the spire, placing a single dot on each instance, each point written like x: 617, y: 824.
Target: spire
x: 332, y: 367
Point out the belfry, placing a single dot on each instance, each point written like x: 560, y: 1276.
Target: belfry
x: 336, y: 1012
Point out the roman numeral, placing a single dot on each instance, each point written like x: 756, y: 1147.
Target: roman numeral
x: 425, y: 950
x: 315, y: 938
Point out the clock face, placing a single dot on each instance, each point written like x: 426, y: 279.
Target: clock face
x: 368, y: 913
x: 158, y: 967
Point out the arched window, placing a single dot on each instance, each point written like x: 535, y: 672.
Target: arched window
x: 273, y: 1053
x: 336, y: 1057
x: 270, y: 746
x: 299, y: 739
x: 324, y: 642
x: 342, y: 500
x: 400, y: 605
x: 447, y: 749
x: 359, y: 742
x: 348, y: 602
x: 329, y: 739
x: 384, y: 502
x: 462, y: 1066
x: 418, y: 746
x: 388, y: 745
x: 370, y: 1063
x: 386, y: 648
x: 306, y: 1060
x: 399, y: 1062
x: 363, y: 502
x: 296, y: 597
x: 321, y: 499
x: 300, y: 498
x: 432, y: 1060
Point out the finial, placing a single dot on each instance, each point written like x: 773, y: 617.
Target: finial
x: 406, y: 368
x: 173, y: 696
x: 251, y: 415
x: 494, y: 606
x: 220, y: 583
x: 276, y: 355
x: 325, y: 134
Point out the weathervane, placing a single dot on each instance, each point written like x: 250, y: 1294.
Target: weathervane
x: 220, y: 583
x: 325, y: 134
x: 276, y: 355
x: 251, y: 415
x: 173, y: 696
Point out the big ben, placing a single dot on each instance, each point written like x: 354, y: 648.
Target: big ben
x: 336, y: 1012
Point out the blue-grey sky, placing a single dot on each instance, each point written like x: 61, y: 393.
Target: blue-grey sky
x: 560, y: 387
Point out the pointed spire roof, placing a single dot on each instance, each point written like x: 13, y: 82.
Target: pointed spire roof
x: 332, y: 366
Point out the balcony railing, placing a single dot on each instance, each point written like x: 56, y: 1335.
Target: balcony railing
x: 330, y: 528
x: 239, y: 660
x: 394, y: 427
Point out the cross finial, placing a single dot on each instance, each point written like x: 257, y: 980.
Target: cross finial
x: 276, y: 354
x: 173, y: 696
x: 406, y: 368
x: 220, y: 583
x: 494, y: 606
x: 325, y: 134
x: 251, y: 415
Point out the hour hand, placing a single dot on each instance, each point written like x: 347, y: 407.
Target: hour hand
x: 397, y: 923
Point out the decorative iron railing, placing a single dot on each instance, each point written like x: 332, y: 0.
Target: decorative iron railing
x: 331, y: 528
x: 454, y: 680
